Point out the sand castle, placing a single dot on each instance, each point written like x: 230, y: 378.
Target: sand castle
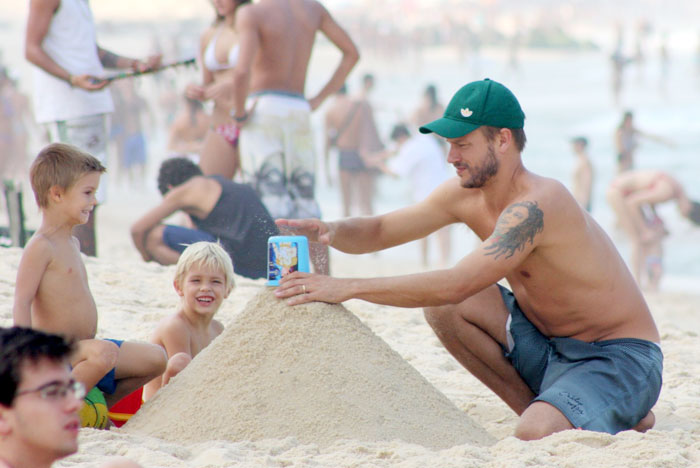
x: 313, y: 372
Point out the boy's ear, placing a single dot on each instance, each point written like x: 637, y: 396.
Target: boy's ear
x: 56, y: 192
x: 176, y: 285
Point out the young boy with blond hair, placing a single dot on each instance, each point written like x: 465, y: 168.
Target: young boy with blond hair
x: 203, y: 279
x: 52, y: 292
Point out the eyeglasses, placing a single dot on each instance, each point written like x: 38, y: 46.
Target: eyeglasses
x: 55, y: 391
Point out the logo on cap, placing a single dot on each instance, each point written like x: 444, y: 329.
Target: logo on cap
x: 466, y: 112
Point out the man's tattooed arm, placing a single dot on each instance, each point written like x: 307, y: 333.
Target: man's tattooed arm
x: 518, y: 224
x: 111, y: 60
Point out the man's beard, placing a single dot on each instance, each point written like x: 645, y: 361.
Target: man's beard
x: 487, y: 170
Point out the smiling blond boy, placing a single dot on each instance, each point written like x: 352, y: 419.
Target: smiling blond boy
x: 203, y: 279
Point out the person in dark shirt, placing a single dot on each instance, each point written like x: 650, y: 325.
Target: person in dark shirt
x: 220, y: 210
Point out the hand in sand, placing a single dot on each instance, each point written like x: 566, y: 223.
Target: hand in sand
x: 314, y: 229
x: 301, y: 288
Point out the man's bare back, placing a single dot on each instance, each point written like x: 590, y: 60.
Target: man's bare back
x: 286, y: 29
x: 63, y: 303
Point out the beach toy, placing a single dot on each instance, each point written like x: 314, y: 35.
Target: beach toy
x: 94, y: 410
x: 121, y: 411
x: 286, y: 254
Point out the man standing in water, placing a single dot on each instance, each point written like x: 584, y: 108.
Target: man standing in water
x: 574, y: 344
x: 277, y: 148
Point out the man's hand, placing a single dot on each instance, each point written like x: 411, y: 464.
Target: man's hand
x: 151, y: 63
x: 88, y: 82
x: 300, y: 288
x: 314, y: 229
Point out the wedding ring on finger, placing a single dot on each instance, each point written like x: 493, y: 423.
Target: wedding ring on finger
x: 303, y: 289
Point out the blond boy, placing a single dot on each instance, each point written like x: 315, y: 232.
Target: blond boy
x: 203, y: 279
x: 52, y: 292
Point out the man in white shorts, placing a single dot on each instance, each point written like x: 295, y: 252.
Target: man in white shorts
x: 277, y: 152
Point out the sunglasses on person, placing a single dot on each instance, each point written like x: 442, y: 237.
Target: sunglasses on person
x: 56, y: 390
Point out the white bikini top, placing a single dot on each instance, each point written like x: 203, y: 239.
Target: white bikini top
x: 210, y: 56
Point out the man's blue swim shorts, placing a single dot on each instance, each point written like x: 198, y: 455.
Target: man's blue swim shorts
x: 605, y: 386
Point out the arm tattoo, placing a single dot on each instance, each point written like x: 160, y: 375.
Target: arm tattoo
x: 108, y: 59
x: 518, y: 224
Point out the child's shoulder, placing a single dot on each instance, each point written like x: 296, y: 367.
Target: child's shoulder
x: 216, y: 327
x: 39, y: 247
x: 176, y: 322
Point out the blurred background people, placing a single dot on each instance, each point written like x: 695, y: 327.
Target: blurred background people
x: 219, y: 50
x: 582, y: 184
x: 634, y: 195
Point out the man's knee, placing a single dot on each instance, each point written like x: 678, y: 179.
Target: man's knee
x: 100, y: 353
x: 154, y: 238
x: 540, y: 420
x: 441, y: 319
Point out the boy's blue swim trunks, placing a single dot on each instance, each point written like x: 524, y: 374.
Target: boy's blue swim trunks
x: 108, y: 384
x: 605, y: 386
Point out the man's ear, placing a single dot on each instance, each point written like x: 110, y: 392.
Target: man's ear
x: 5, y: 416
x: 504, y: 138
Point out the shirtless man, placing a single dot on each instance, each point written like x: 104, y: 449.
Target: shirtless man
x: 350, y: 127
x: 277, y: 148
x: 574, y: 344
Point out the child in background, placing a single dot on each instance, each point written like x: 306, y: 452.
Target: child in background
x: 203, y: 279
x: 52, y: 292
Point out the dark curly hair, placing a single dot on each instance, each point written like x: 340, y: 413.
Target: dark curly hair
x: 20, y: 345
x: 176, y: 171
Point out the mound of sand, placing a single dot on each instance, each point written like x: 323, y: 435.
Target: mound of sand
x: 312, y: 372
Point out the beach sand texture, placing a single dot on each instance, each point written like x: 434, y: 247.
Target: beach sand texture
x: 313, y: 372
x: 132, y: 296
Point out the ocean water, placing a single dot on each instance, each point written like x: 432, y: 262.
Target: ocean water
x: 563, y: 94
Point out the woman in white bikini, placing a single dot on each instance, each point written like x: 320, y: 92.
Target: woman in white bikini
x: 218, y: 56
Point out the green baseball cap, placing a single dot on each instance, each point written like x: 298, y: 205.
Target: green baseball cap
x: 478, y: 103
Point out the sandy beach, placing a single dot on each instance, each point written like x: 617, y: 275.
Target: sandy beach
x: 132, y: 296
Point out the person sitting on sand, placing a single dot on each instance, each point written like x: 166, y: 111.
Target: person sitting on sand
x: 39, y: 400
x: 220, y: 210
x: 203, y: 279
x: 52, y: 292
x: 572, y: 341
x: 633, y: 196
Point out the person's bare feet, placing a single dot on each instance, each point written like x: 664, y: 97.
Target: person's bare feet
x: 646, y: 423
